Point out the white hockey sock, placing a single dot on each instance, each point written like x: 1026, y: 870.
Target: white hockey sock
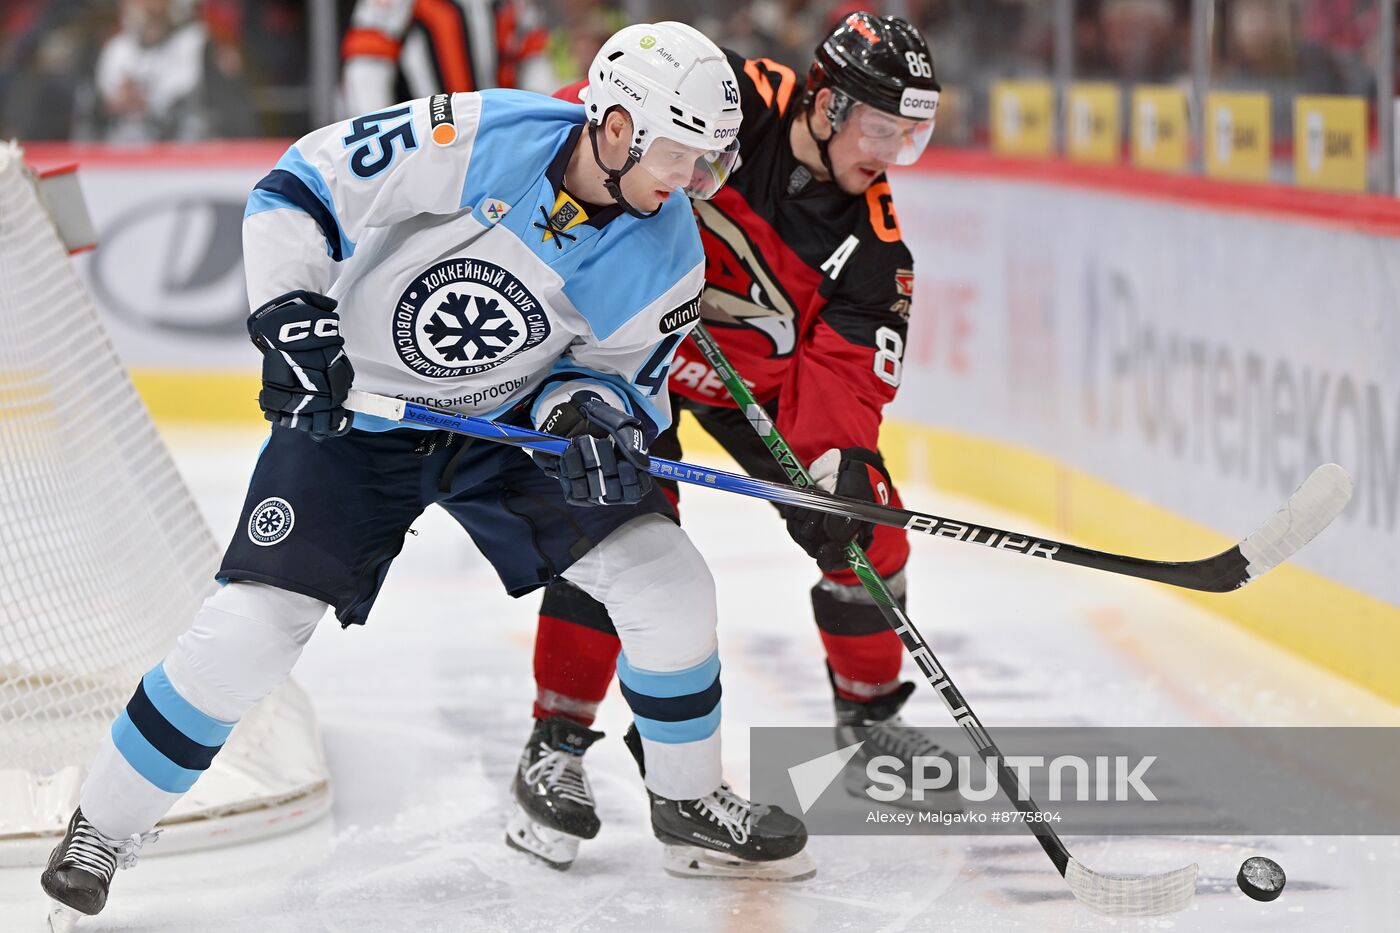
x: 661, y: 598
x: 242, y: 645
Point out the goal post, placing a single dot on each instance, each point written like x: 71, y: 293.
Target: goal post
x: 104, y: 559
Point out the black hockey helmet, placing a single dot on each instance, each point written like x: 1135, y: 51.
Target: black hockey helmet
x: 882, y: 61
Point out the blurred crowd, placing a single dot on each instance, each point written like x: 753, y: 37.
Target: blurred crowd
x: 136, y: 71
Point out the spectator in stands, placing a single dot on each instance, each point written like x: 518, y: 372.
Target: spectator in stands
x: 783, y: 30
x: 156, y: 75
x: 1337, y: 37
x: 1259, y: 39
x: 580, y: 28
x: 45, y: 50
x: 1261, y: 52
x: 149, y: 75
x: 1141, y: 40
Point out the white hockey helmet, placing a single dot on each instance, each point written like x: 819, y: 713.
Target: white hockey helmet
x: 683, y: 100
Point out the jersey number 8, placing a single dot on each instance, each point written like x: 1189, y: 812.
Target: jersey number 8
x: 889, y: 355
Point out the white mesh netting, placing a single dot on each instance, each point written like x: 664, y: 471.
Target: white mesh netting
x: 104, y: 559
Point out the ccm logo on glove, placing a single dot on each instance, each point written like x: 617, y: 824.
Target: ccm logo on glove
x: 293, y: 331
x: 306, y: 375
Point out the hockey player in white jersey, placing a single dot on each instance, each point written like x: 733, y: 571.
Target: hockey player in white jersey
x: 505, y: 255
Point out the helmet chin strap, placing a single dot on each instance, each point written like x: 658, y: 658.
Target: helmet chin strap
x: 612, y: 177
x: 823, y: 146
x: 835, y: 115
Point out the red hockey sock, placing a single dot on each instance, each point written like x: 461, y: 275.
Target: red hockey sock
x: 864, y: 654
x: 864, y: 666
x: 575, y: 655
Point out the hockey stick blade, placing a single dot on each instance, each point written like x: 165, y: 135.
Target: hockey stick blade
x: 1132, y: 895
x: 1310, y: 509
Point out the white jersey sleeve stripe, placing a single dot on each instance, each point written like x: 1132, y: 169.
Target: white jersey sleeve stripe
x: 296, y: 183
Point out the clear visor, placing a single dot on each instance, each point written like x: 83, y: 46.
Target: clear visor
x: 889, y: 138
x: 700, y: 172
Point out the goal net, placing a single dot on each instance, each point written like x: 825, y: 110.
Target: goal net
x: 104, y: 559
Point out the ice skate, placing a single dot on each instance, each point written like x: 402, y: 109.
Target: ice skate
x: 877, y: 725
x: 722, y: 835
x: 553, y: 802
x: 79, y: 872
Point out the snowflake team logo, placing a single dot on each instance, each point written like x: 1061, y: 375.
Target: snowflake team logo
x: 465, y: 316
x: 271, y: 521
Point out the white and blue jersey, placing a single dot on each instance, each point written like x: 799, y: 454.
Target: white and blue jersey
x: 425, y: 222
x: 420, y: 220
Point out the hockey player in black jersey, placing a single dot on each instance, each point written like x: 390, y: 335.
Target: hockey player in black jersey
x: 808, y: 286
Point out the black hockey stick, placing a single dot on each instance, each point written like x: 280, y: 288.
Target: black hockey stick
x: 1309, y: 510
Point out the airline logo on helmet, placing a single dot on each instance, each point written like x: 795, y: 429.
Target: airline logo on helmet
x: 647, y: 42
x: 919, y: 103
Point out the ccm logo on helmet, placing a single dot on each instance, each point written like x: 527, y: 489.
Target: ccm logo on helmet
x: 918, y: 103
x: 628, y: 88
x: 293, y: 331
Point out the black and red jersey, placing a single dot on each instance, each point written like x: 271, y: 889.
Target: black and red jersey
x: 808, y: 288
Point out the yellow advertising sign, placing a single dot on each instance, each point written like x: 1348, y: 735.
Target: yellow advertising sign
x: 1092, y: 132
x: 1239, y: 140
x: 1329, y: 142
x: 1160, y: 128
x: 1023, y: 118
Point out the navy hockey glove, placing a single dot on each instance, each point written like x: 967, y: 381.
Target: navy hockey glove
x: 606, y: 461
x: 306, y: 375
x: 854, y: 472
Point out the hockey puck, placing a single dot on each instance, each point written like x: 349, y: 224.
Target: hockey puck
x: 1261, y: 878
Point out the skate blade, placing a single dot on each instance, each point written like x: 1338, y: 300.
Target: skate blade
x: 935, y: 801
x: 553, y: 848
x: 695, y: 862
x: 62, y: 918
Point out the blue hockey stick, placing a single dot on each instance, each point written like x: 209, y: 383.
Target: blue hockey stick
x: 1309, y: 510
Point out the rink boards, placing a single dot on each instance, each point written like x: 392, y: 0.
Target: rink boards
x: 1147, y: 364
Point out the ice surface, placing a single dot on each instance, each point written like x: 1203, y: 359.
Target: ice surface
x: 425, y: 710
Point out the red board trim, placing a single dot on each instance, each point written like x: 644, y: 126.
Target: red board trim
x: 1368, y: 213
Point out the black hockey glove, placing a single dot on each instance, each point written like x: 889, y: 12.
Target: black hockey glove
x: 306, y: 374
x: 606, y: 461
x: 854, y: 472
